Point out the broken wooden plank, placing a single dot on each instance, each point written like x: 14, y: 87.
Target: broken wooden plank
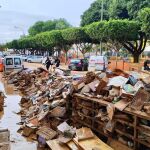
x: 55, y: 145
x: 73, y: 146
x: 92, y: 144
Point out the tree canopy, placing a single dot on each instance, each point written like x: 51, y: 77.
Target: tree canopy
x: 127, y: 33
x: 75, y: 35
x: 36, y: 28
x: 134, y: 6
x: 93, y: 14
x: 131, y: 34
x: 118, y: 9
x: 144, y: 18
x: 40, y: 26
x: 113, y: 9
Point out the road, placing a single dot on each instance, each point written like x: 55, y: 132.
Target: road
x: 143, y: 74
x: 62, y: 66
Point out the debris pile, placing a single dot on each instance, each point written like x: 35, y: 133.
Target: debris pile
x: 4, y: 139
x: 44, y: 104
x: 117, y: 87
x: 48, y: 98
x: 2, y: 97
x: 109, y: 102
x: 83, y: 139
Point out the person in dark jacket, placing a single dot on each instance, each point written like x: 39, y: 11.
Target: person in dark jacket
x: 47, y: 63
x: 146, y: 67
x: 57, y: 62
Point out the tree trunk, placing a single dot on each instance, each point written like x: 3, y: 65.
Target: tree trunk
x: 24, y: 52
x: 136, y: 58
x: 66, y: 58
x: 116, y: 59
x: 59, y: 52
x: 83, y: 55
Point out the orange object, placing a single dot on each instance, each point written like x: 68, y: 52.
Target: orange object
x: 1, y: 65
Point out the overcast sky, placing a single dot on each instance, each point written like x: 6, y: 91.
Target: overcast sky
x: 17, y: 15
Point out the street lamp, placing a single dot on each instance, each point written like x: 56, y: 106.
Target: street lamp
x: 102, y: 12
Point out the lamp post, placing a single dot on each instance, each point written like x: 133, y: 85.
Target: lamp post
x: 102, y: 12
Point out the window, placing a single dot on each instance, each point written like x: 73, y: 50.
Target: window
x: 39, y: 56
x: 9, y: 61
x: 75, y: 60
x: 17, y: 61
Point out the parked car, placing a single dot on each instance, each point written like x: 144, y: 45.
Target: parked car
x: 24, y: 57
x: 35, y: 59
x: 97, y: 63
x: 78, y: 64
x: 12, y: 63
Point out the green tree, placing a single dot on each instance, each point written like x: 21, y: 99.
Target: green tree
x: 93, y: 14
x: 144, y: 19
x: 13, y: 44
x: 124, y: 32
x: 61, y: 24
x: 3, y: 47
x: 113, y: 9
x: 134, y: 6
x: 128, y: 34
x: 96, y: 31
x: 77, y: 36
x: 48, y: 26
x: 118, y: 9
x: 40, y: 26
x: 48, y: 40
x: 36, y: 28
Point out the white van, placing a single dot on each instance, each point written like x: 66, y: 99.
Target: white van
x: 12, y: 63
x: 97, y: 63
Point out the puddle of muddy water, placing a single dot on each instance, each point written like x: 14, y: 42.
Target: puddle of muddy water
x: 9, y: 119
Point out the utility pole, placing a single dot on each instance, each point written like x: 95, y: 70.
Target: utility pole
x: 102, y: 12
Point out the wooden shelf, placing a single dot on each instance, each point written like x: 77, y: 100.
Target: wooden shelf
x: 92, y: 118
x: 124, y: 134
x: 95, y: 129
x: 143, y: 142
x: 124, y: 122
x: 143, y: 127
x: 87, y: 108
x: 105, y: 103
x: 85, y: 115
x: 95, y: 123
x: 99, y: 122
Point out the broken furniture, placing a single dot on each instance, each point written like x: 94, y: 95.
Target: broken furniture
x: 2, y: 96
x: 4, y: 139
x: 85, y: 140
x: 86, y: 113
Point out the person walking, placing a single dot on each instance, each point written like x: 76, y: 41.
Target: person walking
x: 57, y: 62
x: 47, y: 63
x: 52, y: 63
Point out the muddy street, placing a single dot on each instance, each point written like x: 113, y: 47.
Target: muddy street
x: 9, y: 118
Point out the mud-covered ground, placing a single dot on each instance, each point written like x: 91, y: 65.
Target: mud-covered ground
x: 9, y: 118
